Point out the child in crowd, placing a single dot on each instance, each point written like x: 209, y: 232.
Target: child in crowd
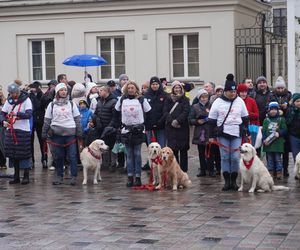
x: 274, y: 130
x: 85, y: 118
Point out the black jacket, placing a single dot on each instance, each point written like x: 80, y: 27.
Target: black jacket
x: 262, y: 101
x: 156, y: 99
x: 38, y: 109
x: 177, y: 138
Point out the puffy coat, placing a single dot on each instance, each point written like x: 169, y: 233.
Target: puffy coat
x: 262, y: 100
x: 281, y: 98
x: 177, y: 138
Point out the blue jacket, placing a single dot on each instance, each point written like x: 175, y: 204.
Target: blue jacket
x: 85, y: 117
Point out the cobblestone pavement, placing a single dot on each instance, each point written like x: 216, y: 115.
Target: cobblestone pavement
x: 111, y: 216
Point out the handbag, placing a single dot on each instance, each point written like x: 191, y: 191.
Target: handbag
x: 219, y: 129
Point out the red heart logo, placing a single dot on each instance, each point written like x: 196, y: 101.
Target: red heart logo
x: 131, y: 109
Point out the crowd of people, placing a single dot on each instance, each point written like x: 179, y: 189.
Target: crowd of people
x: 70, y: 115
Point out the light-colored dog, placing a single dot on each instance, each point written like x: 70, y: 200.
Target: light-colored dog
x: 91, y: 158
x: 154, y: 158
x: 253, y: 171
x: 175, y: 176
x: 297, y: 167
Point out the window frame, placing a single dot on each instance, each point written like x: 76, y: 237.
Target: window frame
x: 185, y: 56
x: 43, y: 53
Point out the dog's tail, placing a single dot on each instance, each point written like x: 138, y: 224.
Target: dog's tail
x: 279, y: 188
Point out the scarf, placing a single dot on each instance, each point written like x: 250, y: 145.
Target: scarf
x: 61, y: 101
x: 175, y: 98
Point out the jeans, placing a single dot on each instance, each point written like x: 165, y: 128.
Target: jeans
x: 295, y: 146
x: 61, y: 152
x: 230, y: 161
x: 274, y: 161
x: 159, y: 135
x: 134, y: 160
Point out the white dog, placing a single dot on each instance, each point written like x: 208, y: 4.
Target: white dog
x: 154, y: 151
x: 254, y: 171
x: 297, y: 167
x: 91, y: 158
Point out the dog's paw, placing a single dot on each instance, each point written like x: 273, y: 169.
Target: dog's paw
x: 158, y: 186
x: 95, y: 182
x: 100, y: 179
x: 251, y: 190
x: 174, y: 187
x: 84, y: 182
x: 240, y: 189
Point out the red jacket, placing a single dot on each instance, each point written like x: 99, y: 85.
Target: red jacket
x: 252, y: 110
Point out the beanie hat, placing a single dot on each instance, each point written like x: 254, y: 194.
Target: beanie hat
x: 13, y: 88
x: 295, y: 97
x: 36, y: 84
x: 261, y: 78
x: 230, y: 85
x: 122, y: 77
x: 201, y: 92
x: 111, y: 83
x: 219, y: 87
x: 53, y: 82
x: 154, y: 79
x: 273, y: 105
x: 280, y: 83
x: 242, y: 88
x: 60, y: 86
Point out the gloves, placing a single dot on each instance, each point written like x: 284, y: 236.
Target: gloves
x: 175, y: 124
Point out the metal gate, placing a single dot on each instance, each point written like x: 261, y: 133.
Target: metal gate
x: 261, y: 50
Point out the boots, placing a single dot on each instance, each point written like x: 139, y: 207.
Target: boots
x: 201, y: 173
x: 130, y: 181
x: 233, y: 177
x: 16, y: 175
x: 25, y: 179
x: 137, y: 182
x: 279, y: 175
x: 226, y: 176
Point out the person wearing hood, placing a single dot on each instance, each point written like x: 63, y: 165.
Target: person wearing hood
x: 104, y: 119
x: 198, y: 117
x: 85, y: 117
x: 78, y: 93
x: 176, y: 112
x: 15, y: 116
x: 228, y: 120
x: 282, y: 96
x: 123, y: 79
x: 155, y: 122
x: 92, y: 95
x: 62, y: 125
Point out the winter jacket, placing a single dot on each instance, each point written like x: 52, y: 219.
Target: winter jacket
x: 85, y: 117
x: 177, y: 138
x: 156, y: 99
x: 252, y: 110
x: 262, y: 100
x: 200, y: 111
x: 38, y: 110
x: 293, y: 121
x: 274, y: 124
x: 281, y: 98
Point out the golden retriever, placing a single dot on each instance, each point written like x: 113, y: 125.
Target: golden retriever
x: 297, y: 167
x: 175, y: 176
x: 91, y: 158
x: 154, y: 158
x: 254, y: 171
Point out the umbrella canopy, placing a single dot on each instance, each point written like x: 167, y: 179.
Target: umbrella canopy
x: 85, y: 60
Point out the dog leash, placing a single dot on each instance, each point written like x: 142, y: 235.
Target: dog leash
x: 57, y: 144
x: 228, y: 149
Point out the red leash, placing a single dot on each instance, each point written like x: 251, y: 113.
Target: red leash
x: 59, y: 145
x: 11, y: 119
x: 228, y: 149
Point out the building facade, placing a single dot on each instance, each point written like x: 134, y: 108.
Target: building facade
x: 191, y: 40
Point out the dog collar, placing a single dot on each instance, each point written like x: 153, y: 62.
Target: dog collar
x: 157, y: 160
x: 248, y: 164
x: 98, y: 157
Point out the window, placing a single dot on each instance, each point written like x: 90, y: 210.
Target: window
x: 113, y: 51
x: 42, y: 60
x: 185, y: 56
x: 280, y: 21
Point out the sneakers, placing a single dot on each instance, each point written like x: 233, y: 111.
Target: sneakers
x: 137, y: 182
x: 52, y: 168
x: 129, y: 181
x: 73, y: 181
x: 279, y: 175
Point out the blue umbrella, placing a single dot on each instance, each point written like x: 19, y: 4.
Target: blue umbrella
x: 85, y: 60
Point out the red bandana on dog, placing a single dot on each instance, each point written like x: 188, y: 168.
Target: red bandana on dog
x: 157, y: 160
x: 248, y: 164
x: 98, y: 157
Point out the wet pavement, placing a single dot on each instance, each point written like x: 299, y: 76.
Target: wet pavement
x: 111, y: 216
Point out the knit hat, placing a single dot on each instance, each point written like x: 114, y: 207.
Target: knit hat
x: 273, y: 105
x: 295, y: 97
x: 60, y: 86
x: 13, y: 88
x: 242, y: 88
x: 230, y: 85
x: 111, y: 83
x: 175, y: 83
x: 52, y: 82
x: 154, y: 79
x: 280, y: 83
x: 122, y: 77
x: 261, y: 78
x: 36, y: 84
x: 219, y: 87
x: 201, y: 92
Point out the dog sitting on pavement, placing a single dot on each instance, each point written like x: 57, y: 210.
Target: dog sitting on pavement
x: 175, y: 176
x: 297, y: 167
x: 253, y: 171
x: 91, y: 158
x: 155, y: 162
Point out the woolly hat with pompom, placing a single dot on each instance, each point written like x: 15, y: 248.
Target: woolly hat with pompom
x: 280, y: 83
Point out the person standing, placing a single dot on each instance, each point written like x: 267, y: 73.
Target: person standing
x: 16, y: 114
x: 176, y: 112
x: 2, y: 133
x: 228, y: 119
x: 62, y: 124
